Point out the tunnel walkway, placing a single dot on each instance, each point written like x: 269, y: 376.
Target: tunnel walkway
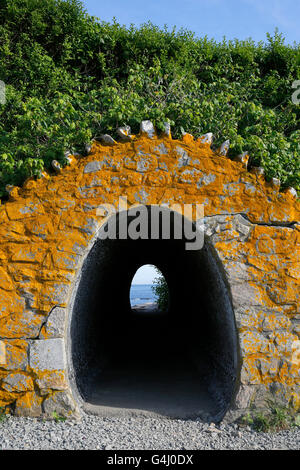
x: 153, y: 375
x: 180, y: 364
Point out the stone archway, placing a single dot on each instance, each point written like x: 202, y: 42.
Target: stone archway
x: 49, y: 226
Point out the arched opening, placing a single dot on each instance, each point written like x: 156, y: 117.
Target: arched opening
x: 142, y: 290
x: 183, y: 363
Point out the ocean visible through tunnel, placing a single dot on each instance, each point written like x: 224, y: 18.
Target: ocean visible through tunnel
x: 141, y: 294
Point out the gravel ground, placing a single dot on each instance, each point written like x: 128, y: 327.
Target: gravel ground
x: 94, y: 432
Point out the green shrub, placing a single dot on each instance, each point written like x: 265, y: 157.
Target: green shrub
x: 58, y: 418
x: 3, y: 415
x: 275, y: 418
x: 161, y: 290
x: 70, y: 77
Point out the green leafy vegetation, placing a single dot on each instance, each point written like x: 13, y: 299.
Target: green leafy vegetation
x: 276, y: 418
x: 3, y: 415
x: 161, y: 290
x: 58, y: 418
x: 71, y: 77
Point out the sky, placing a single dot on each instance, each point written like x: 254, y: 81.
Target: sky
x: 215, y: 18
x: 145, y: 275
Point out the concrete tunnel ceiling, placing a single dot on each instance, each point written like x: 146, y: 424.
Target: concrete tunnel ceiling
x: 50, y: 226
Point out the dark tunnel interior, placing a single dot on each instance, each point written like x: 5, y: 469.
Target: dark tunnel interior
x: 182, y: 363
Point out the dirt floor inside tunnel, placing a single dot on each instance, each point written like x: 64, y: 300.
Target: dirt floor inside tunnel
x: 152, y: 376
x: 181, y: 364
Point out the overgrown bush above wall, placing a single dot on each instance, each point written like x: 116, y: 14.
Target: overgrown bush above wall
x: 70, y: 77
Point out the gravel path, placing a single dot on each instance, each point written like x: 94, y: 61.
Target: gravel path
x: 93, y: 432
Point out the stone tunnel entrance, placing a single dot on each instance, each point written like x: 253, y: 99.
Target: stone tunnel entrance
x: 182, y: 363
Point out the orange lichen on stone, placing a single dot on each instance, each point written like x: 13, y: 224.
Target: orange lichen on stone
x: 47, y: 227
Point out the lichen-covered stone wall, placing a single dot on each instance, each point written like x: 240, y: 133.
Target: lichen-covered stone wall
x: 48, y: 226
